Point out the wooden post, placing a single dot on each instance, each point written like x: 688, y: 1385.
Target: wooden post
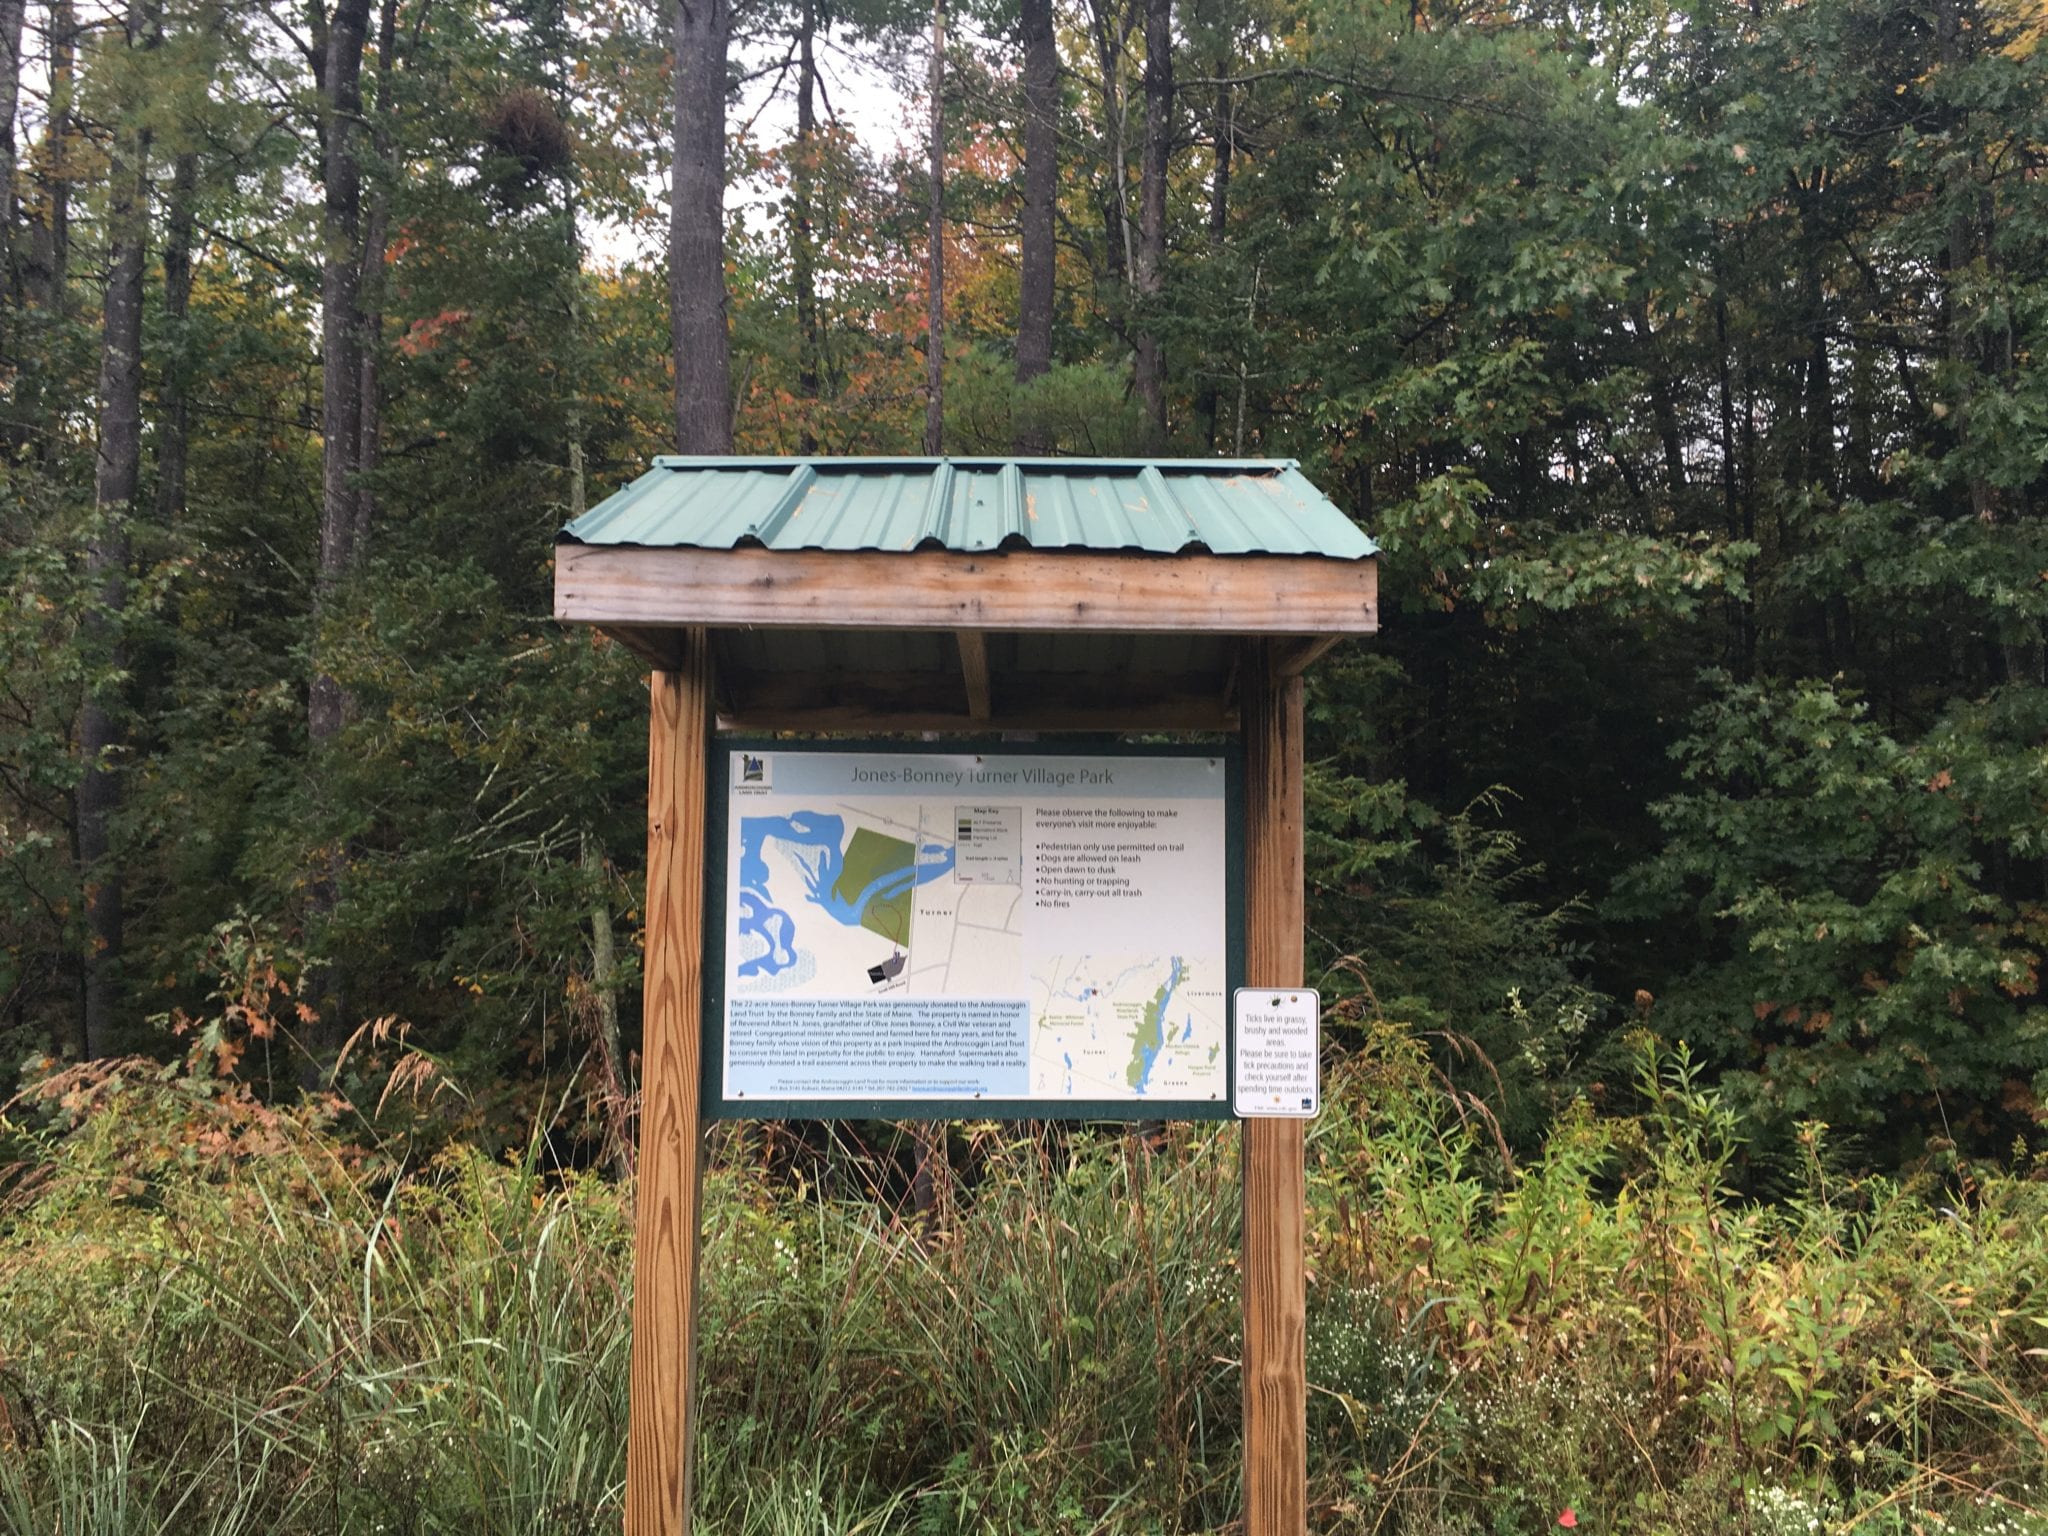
x: 1275, y: 1296
x: 662, y: 1422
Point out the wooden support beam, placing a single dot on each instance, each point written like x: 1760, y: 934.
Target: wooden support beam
x: 1275, y: 1293
x: 667, y: 1223
x: 661, y: 649
x: 1026, y: 590
x: 974, y: 671
x: 1294, y: 657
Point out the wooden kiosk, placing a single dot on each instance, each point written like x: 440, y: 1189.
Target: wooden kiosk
x: 961, y: 595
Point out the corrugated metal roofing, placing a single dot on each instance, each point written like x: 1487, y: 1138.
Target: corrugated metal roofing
x: 972, y: 506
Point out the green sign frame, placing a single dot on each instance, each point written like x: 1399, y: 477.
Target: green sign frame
x: 713, y: 1103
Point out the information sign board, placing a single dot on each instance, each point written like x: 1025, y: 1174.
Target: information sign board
x: 929, y: 930
x: 1276, y: 1053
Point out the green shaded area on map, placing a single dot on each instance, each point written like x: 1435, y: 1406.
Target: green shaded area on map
x: 871, y: 858
x: 1149, y: 1036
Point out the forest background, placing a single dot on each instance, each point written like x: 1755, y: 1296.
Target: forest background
x: 1679, y: 851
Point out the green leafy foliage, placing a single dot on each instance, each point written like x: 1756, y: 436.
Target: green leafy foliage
x: 1683, y: 361
x: 1861, y: 964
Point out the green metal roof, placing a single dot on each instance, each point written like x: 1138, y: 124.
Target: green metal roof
x: 972, y: 506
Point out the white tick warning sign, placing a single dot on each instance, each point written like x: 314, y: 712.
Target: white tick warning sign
x: 1276, y: 1053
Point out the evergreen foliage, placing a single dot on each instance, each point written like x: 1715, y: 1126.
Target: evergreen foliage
x: 1683, y: 360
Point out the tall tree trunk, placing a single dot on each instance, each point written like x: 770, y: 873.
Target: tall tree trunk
x: 696, y: 232
x: 1041, y: 192
x: 803, y: 251
x: 1224, y: 127
x: 1817, y: 409
x: 578, y: 479
x: 181, y: 215
x: 1151, y: 366
x: 1251, y: 330
x: 1223, y: 133
x: 1980, y: 339
x: 370, y: 297
x: 1111, y: 22
x: 935, y: 250
x: 1731, y: 501
x: 1961, y: 253
x: 341, y: 379
x: 341, y: 382
x: 11, y: 12
x: 369, y: 417
x: 49, y: 280
x: 174, y: 430
x: 1753, y: 635
x: 1663, y: 404
x: 117, y: 469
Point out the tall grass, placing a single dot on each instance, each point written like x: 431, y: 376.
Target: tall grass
x: 217, y: 1318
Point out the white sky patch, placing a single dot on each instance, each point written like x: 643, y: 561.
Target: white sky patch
x: 874, y: 91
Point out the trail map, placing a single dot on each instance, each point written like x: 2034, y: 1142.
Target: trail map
x: 994, y: 928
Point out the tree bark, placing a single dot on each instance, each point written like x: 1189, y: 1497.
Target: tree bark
x: 117, y: 469
x: 11, y: 13
x: 1151, y: 266
x: 174, y: 426
x: 174, y: 430
x: 1111, y: 22
x: 935, y: 252
x: 1961, y: 250
x: 49, y: 277
x: 370, y: 296
x: 340, y: 337
x: 1041, y: 193
x: 1222, y: 133
x: 1663, y: 403
x: 1731, y: 498
x: 1816, y: 463
x: 803, y: 254
x: 1980, y: 344
x: 341, y: 396
x: 696, y: 243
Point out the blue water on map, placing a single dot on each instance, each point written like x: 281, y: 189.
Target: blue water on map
x: 818, y: 844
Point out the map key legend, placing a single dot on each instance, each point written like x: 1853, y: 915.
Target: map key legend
x: 988, y: 847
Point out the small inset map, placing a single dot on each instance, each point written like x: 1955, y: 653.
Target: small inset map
x: 1128, y: 1027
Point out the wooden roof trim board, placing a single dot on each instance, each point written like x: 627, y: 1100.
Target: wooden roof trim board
x: 634, y: 587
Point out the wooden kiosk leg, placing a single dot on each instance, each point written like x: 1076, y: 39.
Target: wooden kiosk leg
x: 1275, y: 1296
x: 662, y: 1421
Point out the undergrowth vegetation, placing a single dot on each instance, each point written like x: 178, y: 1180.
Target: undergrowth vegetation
x: 218, y: 1317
